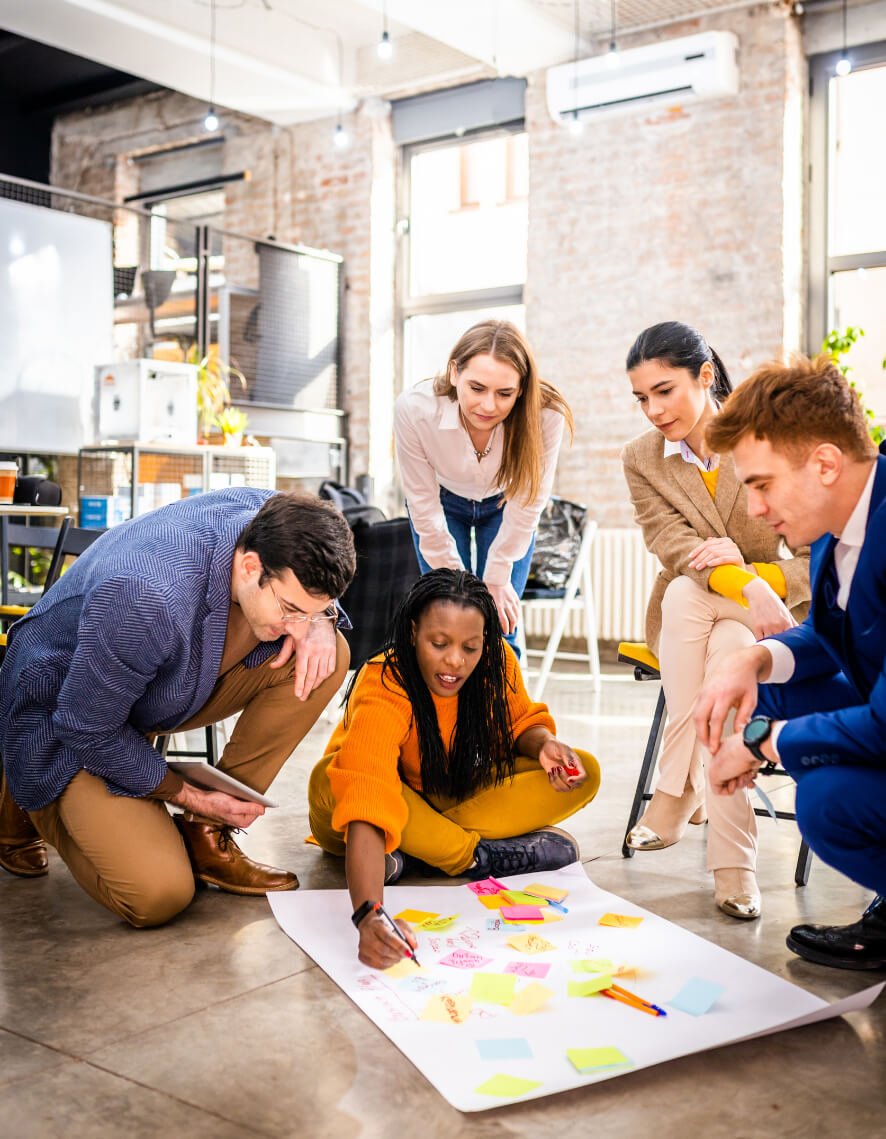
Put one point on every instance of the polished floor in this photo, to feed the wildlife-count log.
(219, 1026)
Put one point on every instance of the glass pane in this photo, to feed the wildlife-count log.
(428, 340)
(857, 163)
(859, 298)
(468, 216)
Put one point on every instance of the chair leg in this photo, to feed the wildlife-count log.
(804, 861)
(211, 746)
(590, 614)
(644, 780)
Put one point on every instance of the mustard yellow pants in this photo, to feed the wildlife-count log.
(444, 833)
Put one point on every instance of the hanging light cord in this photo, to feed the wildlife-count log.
(613, 24)
(212, 53)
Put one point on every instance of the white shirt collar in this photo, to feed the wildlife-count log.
(681, 447)
(853, 531)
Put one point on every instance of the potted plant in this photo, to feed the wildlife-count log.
(837, 344)
(232, 423)
(214, 378)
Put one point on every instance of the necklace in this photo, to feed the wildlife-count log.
(478, 454)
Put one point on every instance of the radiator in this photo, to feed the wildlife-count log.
(622, 574)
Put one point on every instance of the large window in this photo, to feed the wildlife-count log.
(848, 222)
(465, 242)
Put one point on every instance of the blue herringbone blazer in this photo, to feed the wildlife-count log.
(129, 640)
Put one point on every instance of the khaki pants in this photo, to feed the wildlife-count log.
(126, 853)
(699, 630)
(444, 833)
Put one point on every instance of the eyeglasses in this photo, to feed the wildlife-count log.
(330, 614)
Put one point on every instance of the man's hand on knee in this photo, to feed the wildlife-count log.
(216, 805)
(733, 685)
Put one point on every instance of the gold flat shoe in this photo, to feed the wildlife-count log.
(746, 907)
(736, 893)
(641, 837)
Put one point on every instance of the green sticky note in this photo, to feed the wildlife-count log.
(507, 1087)
(494, 988)
(593, 965)
(518, 898)
(591, 986)
(586, 1059)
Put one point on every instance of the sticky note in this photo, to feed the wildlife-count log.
(507, 1087)
(586, 1059)
(485, 886)
(493, 988)
(520, 898)
(506, 1048)
(434, 924)
(697, 996)
(531, 998)
(528, 968)
(499, 924)
(552, 893)
(464, 959)
(592, 965)
(521, 913)
(531, 943)
(405, 968)
(586, 988)
(421, 983)
(415, 917)
(619, 920)
(448, 1008)
(548, 915)
(491, 901)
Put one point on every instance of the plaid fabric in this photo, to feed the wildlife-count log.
(387, 569)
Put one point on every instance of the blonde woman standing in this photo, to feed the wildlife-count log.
(726, 581)
(477, 448)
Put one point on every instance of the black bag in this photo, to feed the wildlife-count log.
(352, 503)
(557, 542)
(34, 490)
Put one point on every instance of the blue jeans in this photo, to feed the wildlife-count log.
(465, 517)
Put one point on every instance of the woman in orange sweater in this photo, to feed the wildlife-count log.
(442, 756)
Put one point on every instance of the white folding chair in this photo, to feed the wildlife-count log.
(577, 593)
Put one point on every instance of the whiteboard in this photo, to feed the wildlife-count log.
(56, 321)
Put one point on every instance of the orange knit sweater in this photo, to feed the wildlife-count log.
(377, 751)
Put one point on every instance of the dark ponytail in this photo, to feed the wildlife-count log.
(680, 346)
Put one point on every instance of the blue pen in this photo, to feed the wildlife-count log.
(557, 906)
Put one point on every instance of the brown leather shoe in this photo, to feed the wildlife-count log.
(217, 860)
(22, 850)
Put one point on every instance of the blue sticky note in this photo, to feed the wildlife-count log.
(697, 996)
(499, 925)
(505, 1048)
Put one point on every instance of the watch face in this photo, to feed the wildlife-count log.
(757, 730)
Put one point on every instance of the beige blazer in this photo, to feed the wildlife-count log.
(675, 511)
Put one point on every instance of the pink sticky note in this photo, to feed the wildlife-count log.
(522, 913)
(528, 968)
(464, 959)
(486, 886)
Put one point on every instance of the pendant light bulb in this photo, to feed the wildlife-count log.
(211, 120)
(384, 49)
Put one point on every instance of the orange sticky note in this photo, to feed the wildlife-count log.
(491, 901)
(551, 893)
(622, 921)
(448, 1008)
(416, 917)
(531, 943)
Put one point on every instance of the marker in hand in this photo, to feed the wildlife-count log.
(379, 909)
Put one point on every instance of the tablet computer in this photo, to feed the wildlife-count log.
(210, 778)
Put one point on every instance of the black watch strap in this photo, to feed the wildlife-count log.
(362, 910)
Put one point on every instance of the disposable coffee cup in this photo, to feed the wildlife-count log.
(8, 475)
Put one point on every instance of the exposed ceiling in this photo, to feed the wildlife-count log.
(294, 60)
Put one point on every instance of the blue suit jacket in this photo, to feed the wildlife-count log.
(856, 734)
(130, 639)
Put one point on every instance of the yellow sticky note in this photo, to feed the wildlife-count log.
(531, 943)
(551, 893)
(587, 988)
(548, 915)
(448, 1008)
(586, 1059)
(520, 898)
(507, 1087)
(593, 965)
(619, 920)
(415, 917)
(405, 968)
(494, 988)
(492, 901)
(439, 923)
(532, 998)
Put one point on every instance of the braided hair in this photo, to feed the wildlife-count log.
(481, 751)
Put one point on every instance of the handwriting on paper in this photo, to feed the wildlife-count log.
(464, 959)
(485, 886)
(531, 943)
(528, 968)
(622, 921)
(438, 924)
(448, 1008)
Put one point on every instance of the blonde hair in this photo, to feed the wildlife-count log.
(522, 460)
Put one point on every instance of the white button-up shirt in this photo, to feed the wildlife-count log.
(434, 450)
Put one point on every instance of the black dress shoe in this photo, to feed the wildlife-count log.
(861, 945)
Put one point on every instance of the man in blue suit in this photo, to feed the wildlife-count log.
(799, 437)
(219, 604)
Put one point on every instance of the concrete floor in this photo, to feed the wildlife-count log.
(219, 1026)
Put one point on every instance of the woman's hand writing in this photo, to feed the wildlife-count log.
(379, 947)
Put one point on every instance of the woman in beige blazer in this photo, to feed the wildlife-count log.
(727, 580)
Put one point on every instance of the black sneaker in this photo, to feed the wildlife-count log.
(861, 945)
(545, 849)
(394, 863)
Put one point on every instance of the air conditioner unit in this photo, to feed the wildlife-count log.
(672, 72)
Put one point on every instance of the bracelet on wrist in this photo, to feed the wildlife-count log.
(363, 911)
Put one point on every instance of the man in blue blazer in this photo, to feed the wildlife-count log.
(218, 604)
(799, 437)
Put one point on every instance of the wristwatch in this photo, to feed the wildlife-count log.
(361, 911)
(756, 731)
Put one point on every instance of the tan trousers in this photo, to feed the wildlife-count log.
(444, 833)
(698, 630)
(126, 853)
